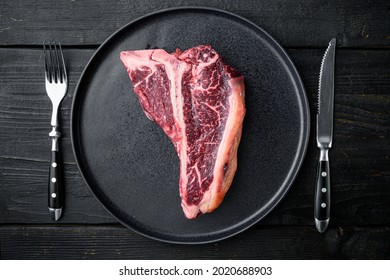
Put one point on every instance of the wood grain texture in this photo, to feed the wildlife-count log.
(293, 23)
(360, 158)
(102, 242)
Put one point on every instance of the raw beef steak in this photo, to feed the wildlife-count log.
(198, 100)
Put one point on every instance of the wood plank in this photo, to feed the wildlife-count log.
(360, 157)
(293, 23)
(101, 242)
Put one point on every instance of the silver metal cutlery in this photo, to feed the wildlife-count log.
(56, 82)
(324, 137)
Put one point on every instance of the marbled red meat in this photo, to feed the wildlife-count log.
(198, 100)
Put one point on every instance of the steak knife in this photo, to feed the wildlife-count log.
(324, 137)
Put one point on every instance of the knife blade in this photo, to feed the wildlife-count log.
(324, 137)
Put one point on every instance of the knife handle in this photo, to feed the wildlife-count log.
(55, 191)
(322, 196)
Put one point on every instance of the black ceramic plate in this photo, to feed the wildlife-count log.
(131, 166)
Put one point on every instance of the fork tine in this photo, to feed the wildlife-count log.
(52, 62)
(54, 58)
(50, 57)
(63, 68)
(47, 67)
(57, 69)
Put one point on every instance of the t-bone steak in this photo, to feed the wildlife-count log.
(198, 100)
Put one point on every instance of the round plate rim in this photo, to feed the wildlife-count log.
(302, 146)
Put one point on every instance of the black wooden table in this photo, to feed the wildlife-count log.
(360, 167)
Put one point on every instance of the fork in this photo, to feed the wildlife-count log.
(56, 82)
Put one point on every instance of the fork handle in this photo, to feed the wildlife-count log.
(55, 192)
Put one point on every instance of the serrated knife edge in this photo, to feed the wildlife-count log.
(326, 97)
(321, 70)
